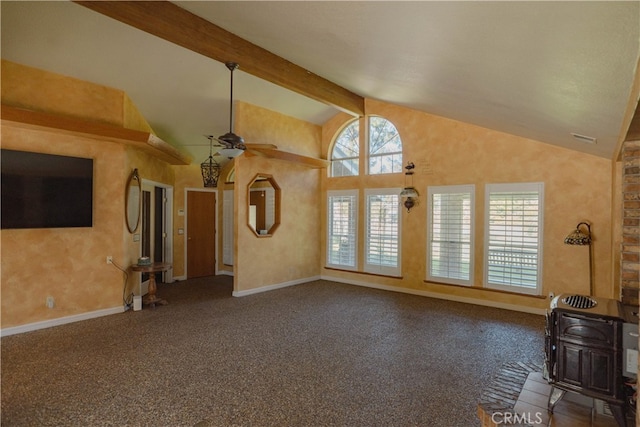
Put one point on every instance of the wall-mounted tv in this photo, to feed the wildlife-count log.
(45, 191)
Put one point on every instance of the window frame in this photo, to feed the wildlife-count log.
(342, 193)
(451, 189)
(382, 269)
(341, 159)
(533, 187)
(369, 155)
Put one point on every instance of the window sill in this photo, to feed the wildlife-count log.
(362, 272)
(480, 288)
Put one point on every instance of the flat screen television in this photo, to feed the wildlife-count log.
(45, 191)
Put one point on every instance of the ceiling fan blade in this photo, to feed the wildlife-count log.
(271, 146)
(311, 162)
(251, 153)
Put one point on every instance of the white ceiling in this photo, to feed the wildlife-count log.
(541, 70)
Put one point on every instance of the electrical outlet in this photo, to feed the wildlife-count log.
(551, 295)
(109, 260)
(51, 302)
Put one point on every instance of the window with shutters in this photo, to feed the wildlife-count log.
(342, 229)
(382, 231)
(513, 237)
(450, 219)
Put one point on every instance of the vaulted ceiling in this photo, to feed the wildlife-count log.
(541, 70)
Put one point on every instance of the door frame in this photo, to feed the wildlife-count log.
(167, 226)
(186, 225)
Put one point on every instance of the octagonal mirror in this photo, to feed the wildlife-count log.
(263, 196)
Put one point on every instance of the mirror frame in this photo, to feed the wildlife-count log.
(131, 214)
(276, 221)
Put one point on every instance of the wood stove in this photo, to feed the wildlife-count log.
(583, 350)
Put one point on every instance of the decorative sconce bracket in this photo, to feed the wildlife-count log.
(409, 193)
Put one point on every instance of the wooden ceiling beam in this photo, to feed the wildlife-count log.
(174, 24)
(310, 162)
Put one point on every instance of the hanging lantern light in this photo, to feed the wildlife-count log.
(210, 168)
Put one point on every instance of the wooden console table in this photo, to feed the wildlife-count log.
(151, 298)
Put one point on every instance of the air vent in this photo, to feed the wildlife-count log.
(579, 301)
(584, 138)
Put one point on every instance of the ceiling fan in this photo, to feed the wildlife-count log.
(233, 145)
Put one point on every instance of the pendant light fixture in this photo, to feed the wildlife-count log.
(233, 144)
(210, 168)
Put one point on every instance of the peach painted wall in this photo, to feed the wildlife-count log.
(67, 264)
(40, 90)
(448, 152)
(292, 253)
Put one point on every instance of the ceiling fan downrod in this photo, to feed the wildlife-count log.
(231, 138)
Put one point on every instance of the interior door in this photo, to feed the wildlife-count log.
(201, 233)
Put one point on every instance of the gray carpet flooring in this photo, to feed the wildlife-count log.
(316, 354)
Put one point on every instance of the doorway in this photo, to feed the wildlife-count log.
(156, 241)
(201, 233)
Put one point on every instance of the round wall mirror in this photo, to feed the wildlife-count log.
(263, 205)
(132, 201)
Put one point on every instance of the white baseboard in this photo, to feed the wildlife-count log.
(59, 321)
(456, 298)
(273, 287)
(225, 273)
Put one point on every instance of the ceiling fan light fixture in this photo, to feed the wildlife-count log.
(230, 153)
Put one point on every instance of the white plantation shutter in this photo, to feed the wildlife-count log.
(342, 229)
(227, 227)
(513, 243)
(450, 234)
(382, 234)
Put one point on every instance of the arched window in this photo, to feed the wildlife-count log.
(346, 151)
(385, 147)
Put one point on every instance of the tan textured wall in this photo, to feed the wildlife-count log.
(447, 152)
(292, 252)
(68, 264)
(40, 90)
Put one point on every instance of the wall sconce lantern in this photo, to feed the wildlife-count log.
(579, 238)
(210, 168)
(409, 193)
